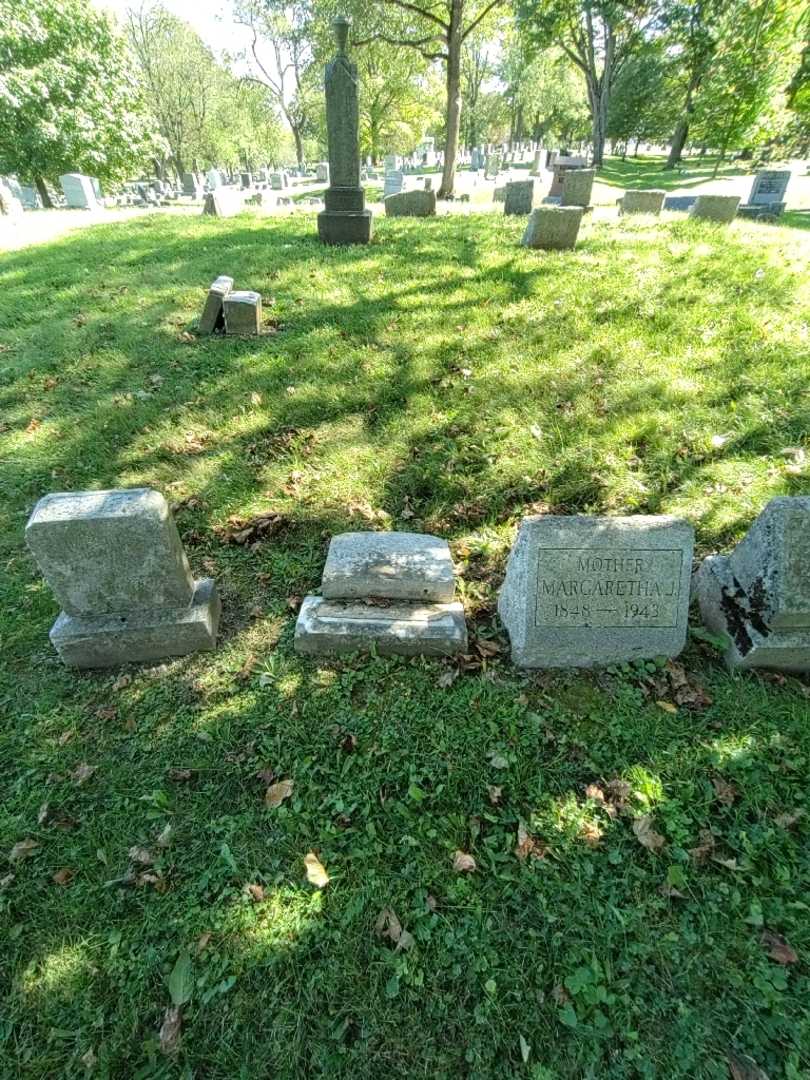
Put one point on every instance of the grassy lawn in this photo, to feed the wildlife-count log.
(442, 379)
(648, 171)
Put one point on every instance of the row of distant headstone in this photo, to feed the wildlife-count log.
(579, 591)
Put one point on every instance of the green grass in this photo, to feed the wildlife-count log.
(445, 373)
(649, 171)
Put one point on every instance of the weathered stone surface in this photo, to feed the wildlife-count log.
(519, 197)
(411, 204)
(332, 627)
(759, 595)
(79, 192)
(393, 565)
(393, 183)
(110, 551)
(769, 187)
(141, 636)
(213, 317)
(499, 194)
(223, 202)
(577, 185)
(720, 208)
(343, 222)
(553, 228)
(643, 201)
(538, 163)
(592, 591)
(322, 172)
(243, 312)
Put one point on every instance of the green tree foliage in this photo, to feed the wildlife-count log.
(203, 113)
(597, 36)
(545, 95)
(643, 104)
(68, 98)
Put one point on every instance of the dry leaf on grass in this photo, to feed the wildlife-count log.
(726, 793)
(255, 892)
(743, 1067)
(389, 926)
(646, 834)
(704, 848)
(22, 850)
(786, 821)
(591, 833)
(778, 948)
(528, 845)
(277, 793)
(170, 1029)
(63, 876)
(316, 873)
(463, 863)
(141, 855)
(667, 706)
(495, 794)
(82, 773)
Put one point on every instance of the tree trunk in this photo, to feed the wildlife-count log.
(453, 100)
(299, 146)
(43, 193)
(678, 143)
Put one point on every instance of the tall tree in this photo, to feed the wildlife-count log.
(477, 67)
(68, 96)
(281, 56)
(643, 104)
(597, 36)
(437, 30)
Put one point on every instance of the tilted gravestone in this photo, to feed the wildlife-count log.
(519, 197)
(116, 565)
(223, 202)
(553, 228)
(79, 191)
(642, 201)
(592, 591)
(391, 592)
(758, 597)
(345, 219)
(213, 317)
(719, 208)
(411, 204)
(577, 185)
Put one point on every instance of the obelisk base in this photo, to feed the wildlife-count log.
(344, 226)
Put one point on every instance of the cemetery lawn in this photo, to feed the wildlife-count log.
(443, 379)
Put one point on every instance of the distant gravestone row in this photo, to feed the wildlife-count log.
(579, 591)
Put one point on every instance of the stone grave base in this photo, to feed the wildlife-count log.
(331, 627)
(344, 227)
(725, 609)
(142, 636)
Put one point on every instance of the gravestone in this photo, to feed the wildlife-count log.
(393, 183)
(192, 185)
(593, 591)
(214, 179)
(247, 180)
(390, 592)
(492, 166)
(223, 202)
(758, 597)
(538, 163)
(642, 201)
(243, 312)
(553, 228)
(78, 191)
(562, 163)
(116, 565)
(277, 181)
(9, 203)
(719, 208)
(29, 197)
(213, 317)
(519, 197)
(767, 198)
(499, 194)
(345, 219)
(411, 204)
(577, 185)
(322, 172)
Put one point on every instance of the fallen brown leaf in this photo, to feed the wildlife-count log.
(316, 873)
(121, 682)
(646, 835)
(743, 1067)
(448, 677)
(179, 775)
(277, 793)
(170, 1029)
(255, 892)
(495, 794)
(704, 848)
(141, 855)
(785, 821)
(82, 773)
(23, 850)
(202, 941)
(726, 793)
(778, 948)
(667, 706)
(389, 926)
(63, 876)
(591, 833)
(463, 863)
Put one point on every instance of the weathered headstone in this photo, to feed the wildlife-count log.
(492, 166)
(767, 198)
(393, 183)
(642, 201)
(593, 591)
(278, 181)
(345, 219)
(9, 203)
(214, 179)
(392, 592)
(247, 180)
(223, 202)
(577, 185)
(116, 565)
(243, 312)
(553, 228)
(411, 204)
(719, 208)
(213, 317)
(78, 191)
(538, 163)
(561, 164)
(322, 172)
(519, 197)
(758, 597)
(680, 203)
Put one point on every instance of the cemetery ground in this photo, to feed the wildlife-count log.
(552, 875)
